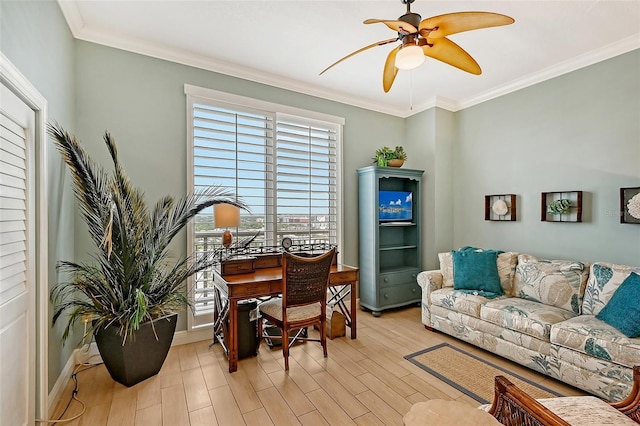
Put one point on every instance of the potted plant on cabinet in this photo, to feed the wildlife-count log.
(129, 297)
(386, 156)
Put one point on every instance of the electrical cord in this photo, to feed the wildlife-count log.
(74, 394)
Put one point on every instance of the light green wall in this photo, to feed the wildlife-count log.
(35, 38)
(430, 137)
(140, 101)
(579, 131)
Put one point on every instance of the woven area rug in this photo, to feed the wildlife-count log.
(471, 374)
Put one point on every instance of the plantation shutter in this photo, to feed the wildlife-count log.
(283, 162)
(13, 208)
(306, 180)
(233, 148)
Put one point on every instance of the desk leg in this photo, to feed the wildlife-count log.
(354, 309)
(221, 310)
(233, 335)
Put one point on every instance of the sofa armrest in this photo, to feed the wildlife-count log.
(431, 279)
(428, 281)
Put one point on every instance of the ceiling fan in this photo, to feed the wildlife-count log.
(428, 37)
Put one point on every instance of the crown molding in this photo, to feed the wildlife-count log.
(432, 102)
(573, 64)
(72, 15)
(80, 31)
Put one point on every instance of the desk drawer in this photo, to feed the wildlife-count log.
(268, 261)
(398, 278)
(345, 277)
(254, 289)
(238, 266)
(399, 295)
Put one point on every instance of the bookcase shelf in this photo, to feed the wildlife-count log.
(390, 252)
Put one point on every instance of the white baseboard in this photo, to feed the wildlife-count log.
(197, 335)
(61, 383)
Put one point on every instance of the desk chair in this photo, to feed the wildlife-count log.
(304, 299)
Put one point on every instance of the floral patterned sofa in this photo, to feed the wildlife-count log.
(545, 320)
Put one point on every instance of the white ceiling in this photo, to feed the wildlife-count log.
(287, 43)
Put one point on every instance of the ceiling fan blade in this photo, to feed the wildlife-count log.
(452, 23)
(379, 43)
(395, 25)
(390, 70)
(450, 53)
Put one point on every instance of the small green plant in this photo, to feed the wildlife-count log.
(384, 154)
(559, 206)
(399, 153)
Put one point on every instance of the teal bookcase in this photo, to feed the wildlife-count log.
(390, 243)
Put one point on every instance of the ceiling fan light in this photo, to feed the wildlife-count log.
(409, 57)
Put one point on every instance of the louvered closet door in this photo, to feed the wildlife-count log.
(17, 292)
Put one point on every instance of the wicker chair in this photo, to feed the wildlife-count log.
(303, 301)
(630, 406)
(512, 406)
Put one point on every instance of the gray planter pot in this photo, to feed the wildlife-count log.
(139, 358)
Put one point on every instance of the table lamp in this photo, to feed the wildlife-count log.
(226, 216)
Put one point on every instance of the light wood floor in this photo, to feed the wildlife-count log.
(364, 381)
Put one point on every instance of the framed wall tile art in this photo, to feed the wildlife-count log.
(561, 206)
(500, 207)
(630, 205)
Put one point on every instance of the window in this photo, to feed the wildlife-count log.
(283, 162)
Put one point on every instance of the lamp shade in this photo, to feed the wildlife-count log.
(409, 57)
(226, 215)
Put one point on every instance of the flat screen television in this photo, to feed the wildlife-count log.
(395, 206)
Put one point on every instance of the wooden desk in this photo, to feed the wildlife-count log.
(268, 282)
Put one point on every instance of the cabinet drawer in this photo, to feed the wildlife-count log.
(397, 278)
(400, 294)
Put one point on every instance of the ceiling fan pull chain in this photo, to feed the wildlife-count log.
(411, 90)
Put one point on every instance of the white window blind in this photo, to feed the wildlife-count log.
(306, 183)
(13, 208)
(233, 148)
(285, 166)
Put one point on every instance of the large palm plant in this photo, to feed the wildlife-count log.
(132, 280)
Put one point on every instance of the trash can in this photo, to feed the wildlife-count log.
(247, 329)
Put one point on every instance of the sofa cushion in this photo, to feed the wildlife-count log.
(446, 267)
(604, 280)
(476, 271)
(454, 300)
(591, 336)
(623, 309)
(559, 283)
(585, 365)
(506, 264)
(524, 316)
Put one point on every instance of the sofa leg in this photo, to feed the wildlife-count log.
(428, 328)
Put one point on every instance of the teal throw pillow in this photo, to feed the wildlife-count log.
(476, 271)
(623, 309)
